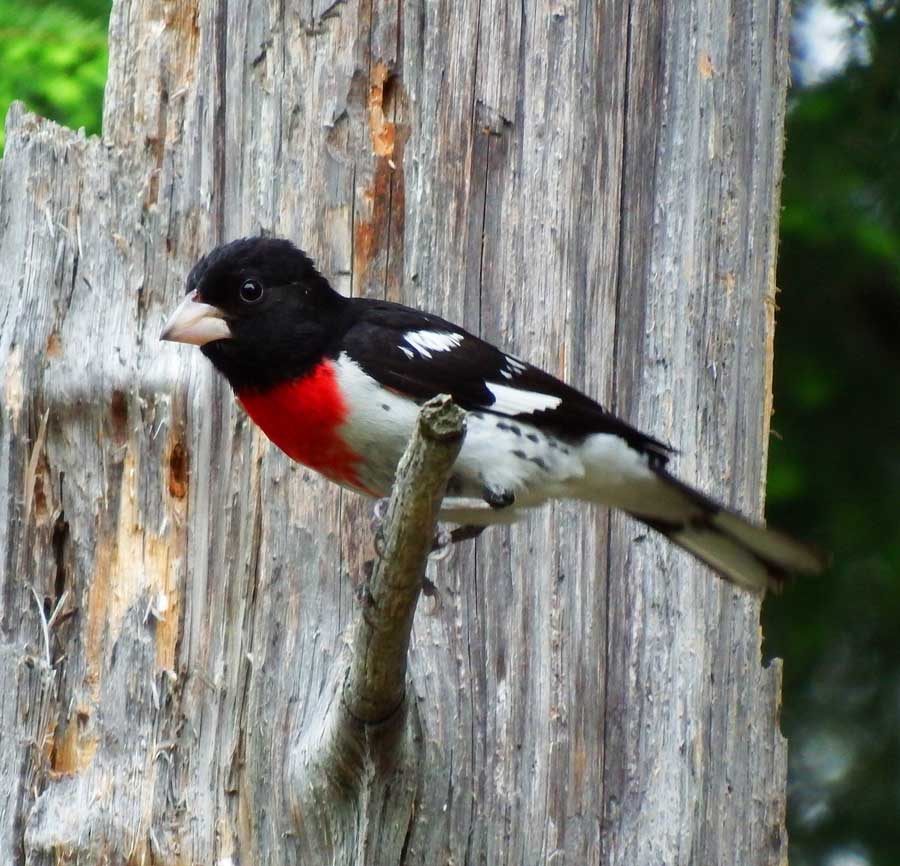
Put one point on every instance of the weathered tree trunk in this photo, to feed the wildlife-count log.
(593, 185)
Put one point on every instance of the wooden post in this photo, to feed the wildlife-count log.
(593, 185)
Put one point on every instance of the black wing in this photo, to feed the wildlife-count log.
(423, 355)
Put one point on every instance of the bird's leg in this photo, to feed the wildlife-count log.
(444, 540)
(440, 549)
(465, 533)
(441, 545)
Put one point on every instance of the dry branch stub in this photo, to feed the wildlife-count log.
(362, 741)
(377, 678)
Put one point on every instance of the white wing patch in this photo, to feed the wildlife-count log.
(513, 401)
(514, 364)
(426, 342)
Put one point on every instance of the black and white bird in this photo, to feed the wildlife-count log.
(337, 383)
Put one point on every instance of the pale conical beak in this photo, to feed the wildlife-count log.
(197, 323)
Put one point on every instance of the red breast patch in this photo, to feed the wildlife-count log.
(302, 417)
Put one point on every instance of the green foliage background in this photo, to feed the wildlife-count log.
(834, 467)
(53, 57)
(834, 473)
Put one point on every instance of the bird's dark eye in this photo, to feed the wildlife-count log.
(251, 291)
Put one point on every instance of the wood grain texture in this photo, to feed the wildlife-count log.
(594, 186)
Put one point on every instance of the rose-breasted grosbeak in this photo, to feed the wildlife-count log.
(337, 382)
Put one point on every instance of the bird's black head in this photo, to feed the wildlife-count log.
(259, 310)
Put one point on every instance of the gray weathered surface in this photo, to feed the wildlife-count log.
(592, 184)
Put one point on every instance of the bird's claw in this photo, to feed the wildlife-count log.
(441, 546)
(379, 511)
(379, 542)
(429, 590)
(362, 592)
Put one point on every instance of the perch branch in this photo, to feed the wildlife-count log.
(376, 680)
